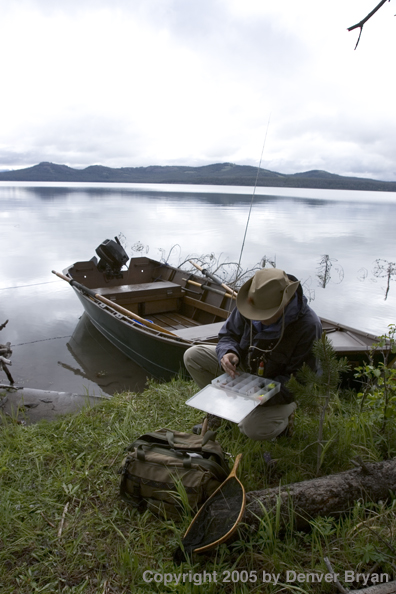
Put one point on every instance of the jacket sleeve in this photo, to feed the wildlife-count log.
(230, 336)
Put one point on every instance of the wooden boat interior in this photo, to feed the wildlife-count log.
(167, 296)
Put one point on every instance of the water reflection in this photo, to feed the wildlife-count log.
(46, 227)
(215, 195)
(100, 362)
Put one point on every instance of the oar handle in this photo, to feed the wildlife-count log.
(62, 276)
(74, 283)
(218, 281)
(119, 308)
(203, 286)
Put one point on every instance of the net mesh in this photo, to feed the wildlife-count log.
(214, 520)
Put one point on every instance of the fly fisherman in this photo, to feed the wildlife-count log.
(271, 332)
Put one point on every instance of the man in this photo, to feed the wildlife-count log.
(272, 328)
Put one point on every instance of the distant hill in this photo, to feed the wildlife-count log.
(216, 174)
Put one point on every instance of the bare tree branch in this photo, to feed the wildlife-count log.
(366, 18)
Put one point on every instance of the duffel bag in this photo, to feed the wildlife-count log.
(162, 468)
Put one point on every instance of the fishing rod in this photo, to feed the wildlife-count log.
(204, 270)
(254, 193)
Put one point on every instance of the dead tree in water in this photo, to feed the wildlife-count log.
(324, 271)
(385, 269)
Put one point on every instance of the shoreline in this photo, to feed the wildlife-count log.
(26, 406)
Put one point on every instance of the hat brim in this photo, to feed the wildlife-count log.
(251, 312)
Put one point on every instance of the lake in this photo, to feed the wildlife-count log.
(49, 226)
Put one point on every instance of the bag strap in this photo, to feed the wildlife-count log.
(189, 462)
(183, 456)
(209, 436)
(169, 439)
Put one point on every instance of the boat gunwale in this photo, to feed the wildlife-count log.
(343, 328)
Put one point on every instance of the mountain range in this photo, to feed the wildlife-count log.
(216, 174)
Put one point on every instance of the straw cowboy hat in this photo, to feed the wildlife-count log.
(265, 294)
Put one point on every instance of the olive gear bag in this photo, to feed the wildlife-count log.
(157, 465)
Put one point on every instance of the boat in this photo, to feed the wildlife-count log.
(152, 312)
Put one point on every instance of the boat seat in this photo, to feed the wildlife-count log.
(207, 307)
(200, 333)
(145, 298)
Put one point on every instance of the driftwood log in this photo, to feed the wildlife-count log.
(5, 354)
(325, 496)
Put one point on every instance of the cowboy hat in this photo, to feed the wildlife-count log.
(265, 294)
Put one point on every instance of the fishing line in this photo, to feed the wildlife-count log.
(23, 286)
(40, 340)
(253, 195)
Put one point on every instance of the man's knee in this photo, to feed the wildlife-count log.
(259, 432)
(193, 357)
(201, 363)
(266, 423)
(201, 355)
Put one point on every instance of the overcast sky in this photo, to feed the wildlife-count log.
(192, 82)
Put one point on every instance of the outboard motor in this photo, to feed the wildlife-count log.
(112, 257)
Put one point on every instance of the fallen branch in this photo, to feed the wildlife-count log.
(329, 495)
(336, 581)
(385, 588)
(63, 520)
(47, 520)
(5, 354)
(3, 366)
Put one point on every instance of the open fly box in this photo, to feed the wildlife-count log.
(234, 398)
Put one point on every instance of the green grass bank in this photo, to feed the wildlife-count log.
(64, 528)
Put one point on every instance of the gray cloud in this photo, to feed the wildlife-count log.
(176, 81)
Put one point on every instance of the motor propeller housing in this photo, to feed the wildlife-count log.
(112, 257)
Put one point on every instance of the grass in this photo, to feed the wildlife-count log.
(64, 528)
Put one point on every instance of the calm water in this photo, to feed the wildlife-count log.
(49, 226)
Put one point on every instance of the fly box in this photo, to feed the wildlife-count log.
(234, 398)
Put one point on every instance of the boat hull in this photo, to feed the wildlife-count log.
(160, 356)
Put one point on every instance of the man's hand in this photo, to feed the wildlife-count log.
(229, 363)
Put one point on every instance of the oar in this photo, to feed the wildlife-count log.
(191, 282)
(214, 278)
(217, 519)
(119, 308)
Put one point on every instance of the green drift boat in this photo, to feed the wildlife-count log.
(153, 312)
